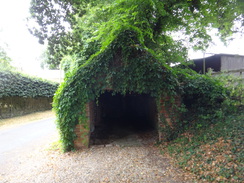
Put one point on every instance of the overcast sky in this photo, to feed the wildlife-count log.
(24, 48)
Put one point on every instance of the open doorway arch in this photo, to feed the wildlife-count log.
(117, 116)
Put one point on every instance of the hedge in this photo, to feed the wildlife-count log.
(17, 84)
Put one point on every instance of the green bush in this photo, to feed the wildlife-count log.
(203, 97)
(17, 84)
(235, 86)
(203, 92)
(206, 97)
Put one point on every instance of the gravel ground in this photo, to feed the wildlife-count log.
(131, 159)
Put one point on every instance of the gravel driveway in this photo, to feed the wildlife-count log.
(120, 161)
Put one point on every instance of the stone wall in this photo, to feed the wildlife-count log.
(17, 106)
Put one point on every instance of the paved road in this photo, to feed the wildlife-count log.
(25, 137)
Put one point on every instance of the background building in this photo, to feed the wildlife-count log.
(233, 64)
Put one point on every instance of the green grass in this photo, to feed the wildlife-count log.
(55, 146)
(213, 153)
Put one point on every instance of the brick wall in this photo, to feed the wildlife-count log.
(168, 116)
(82, 130)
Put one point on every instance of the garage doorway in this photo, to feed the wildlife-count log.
(118, 116)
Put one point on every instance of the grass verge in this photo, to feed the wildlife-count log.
(213, 153)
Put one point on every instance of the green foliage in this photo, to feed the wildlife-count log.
(17, 84)
(69, 63)
(235, 86)
(203, 97)
(209, 144)
(206, 98)
(5, 60)
(203, 93)
(67, 25)
(213, 153)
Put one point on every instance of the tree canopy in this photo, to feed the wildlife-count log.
(82, 29)
(5, 60)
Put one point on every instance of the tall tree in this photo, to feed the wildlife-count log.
(83, 28)
(5, 60)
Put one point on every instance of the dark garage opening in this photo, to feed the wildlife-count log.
(117, 116)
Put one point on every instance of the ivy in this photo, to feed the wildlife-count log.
(204, 91)
(206, 98)
(17, 84)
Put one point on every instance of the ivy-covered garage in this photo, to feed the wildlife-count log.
(112, 86)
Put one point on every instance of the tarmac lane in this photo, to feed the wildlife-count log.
(24, 138)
